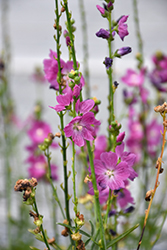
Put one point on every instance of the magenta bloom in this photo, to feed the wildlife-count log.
(109, 173)
(81, 129)
(124, 198)
(102, 10)
(122, 27)
(39, 131)
(51, 70)
(38, 168)
(100, 146)
(133, 79)
(84, 106)
(127, 157)
(153, 136)
(63, 100)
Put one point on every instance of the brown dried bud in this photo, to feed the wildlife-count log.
(64, 233)
(81, 217)
(148, 195)
(165, 124)
(37, 230)
(58, 134)
(62, 9)
(50, 241)
(81, 245)
(50, 137)
(34, 215)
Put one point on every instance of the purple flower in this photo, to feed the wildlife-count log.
(122, 27)
(133, 79)
(103, 34)
(108, 62)
(109, 173)
(81, 129)
(123, 51)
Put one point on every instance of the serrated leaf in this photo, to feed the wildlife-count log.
(120, 237)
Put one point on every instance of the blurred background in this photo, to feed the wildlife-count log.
(26, 37)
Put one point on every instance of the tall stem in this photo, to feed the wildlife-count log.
(111, 92)
(85, 47)
(96, 194)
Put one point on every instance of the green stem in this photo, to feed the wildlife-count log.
(96, 195)
(138, 33)
(66, 196)
(51, 182)
(111, 92)
(70, 34)
(85, 47)
(41, 227)
(74, 182)
(108, 206)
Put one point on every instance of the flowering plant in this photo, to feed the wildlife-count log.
(96, 206)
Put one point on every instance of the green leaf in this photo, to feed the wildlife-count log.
(92, 228)
(86, 243)
(120, 237)
(73, 229)
(34, 248)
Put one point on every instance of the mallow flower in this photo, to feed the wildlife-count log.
(109, 173)
(122, 27)
(81, 129)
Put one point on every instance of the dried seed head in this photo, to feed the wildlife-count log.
(161, 108)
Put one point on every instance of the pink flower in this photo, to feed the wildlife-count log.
(100, 146)
(109, 173)
(51, 70)
(133, 79)
(63, 100)
(81, 129)
(39, 131)
(122, 27)
(102, 11)
(124, 198)
(84, 106)
(38, 168)
(127, 157)
(153, 136)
